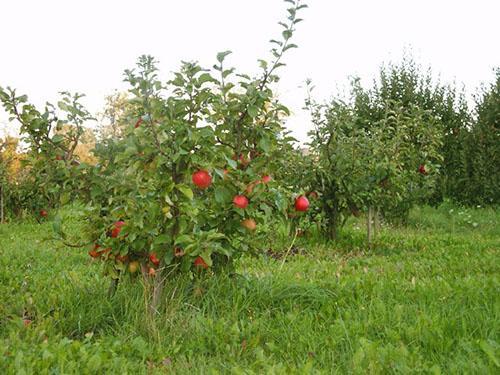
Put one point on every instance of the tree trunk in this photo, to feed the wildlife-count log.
(2, 217)
(158, 284)
(332, 230)
(376, 222)
(112, 287)
(369, 229)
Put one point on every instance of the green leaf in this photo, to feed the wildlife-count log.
(265, 144)
(253, 111)
(290, 46)
(222, 195)
(58, 138)
(205, 77)
(162, 239)
(184, 239)
(206, 255)
(232, 163)
(222, 55)
(186, 190)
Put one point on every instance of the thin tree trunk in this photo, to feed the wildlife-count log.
(112, 287)
(376, 222)
(158, 285)
(369, 229)
(2, 217)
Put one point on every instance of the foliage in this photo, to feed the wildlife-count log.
(480, 180)
(225, 124)
(9, 171)
(51, 172)
(372, 152)
(113, 119)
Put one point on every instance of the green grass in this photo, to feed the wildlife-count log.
(423, 300)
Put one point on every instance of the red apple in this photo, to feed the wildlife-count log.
(240, 201)
(153, 258)
(301, 203)
(249, 224)
(117, 228)
(44, 213)
(202, 179)
(266, 179)
(422, 170)
(199, 262)
(59, 157)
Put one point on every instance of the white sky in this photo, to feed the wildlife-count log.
(53, 45)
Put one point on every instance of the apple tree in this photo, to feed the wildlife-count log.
(190, 186)
(387, 164)
(51, 174)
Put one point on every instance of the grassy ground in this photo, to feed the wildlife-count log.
(424, 299)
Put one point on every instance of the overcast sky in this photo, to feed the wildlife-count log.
(84, 45)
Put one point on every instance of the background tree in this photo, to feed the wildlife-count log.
(115, 117)
(482, 155)
(52, 173)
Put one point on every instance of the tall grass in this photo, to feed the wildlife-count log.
(423, 299)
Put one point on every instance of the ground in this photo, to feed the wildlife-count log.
(423, 299)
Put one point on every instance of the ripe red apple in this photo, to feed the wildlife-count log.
(240, 201)
(44, 213)
(117, 228)
(422, 170)
(301, 203)
(138, 123)
(202, 179)
(266, 179)
(59, 157)
(199, 262)
(133, 267)
(249, 224)
(153, 258)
